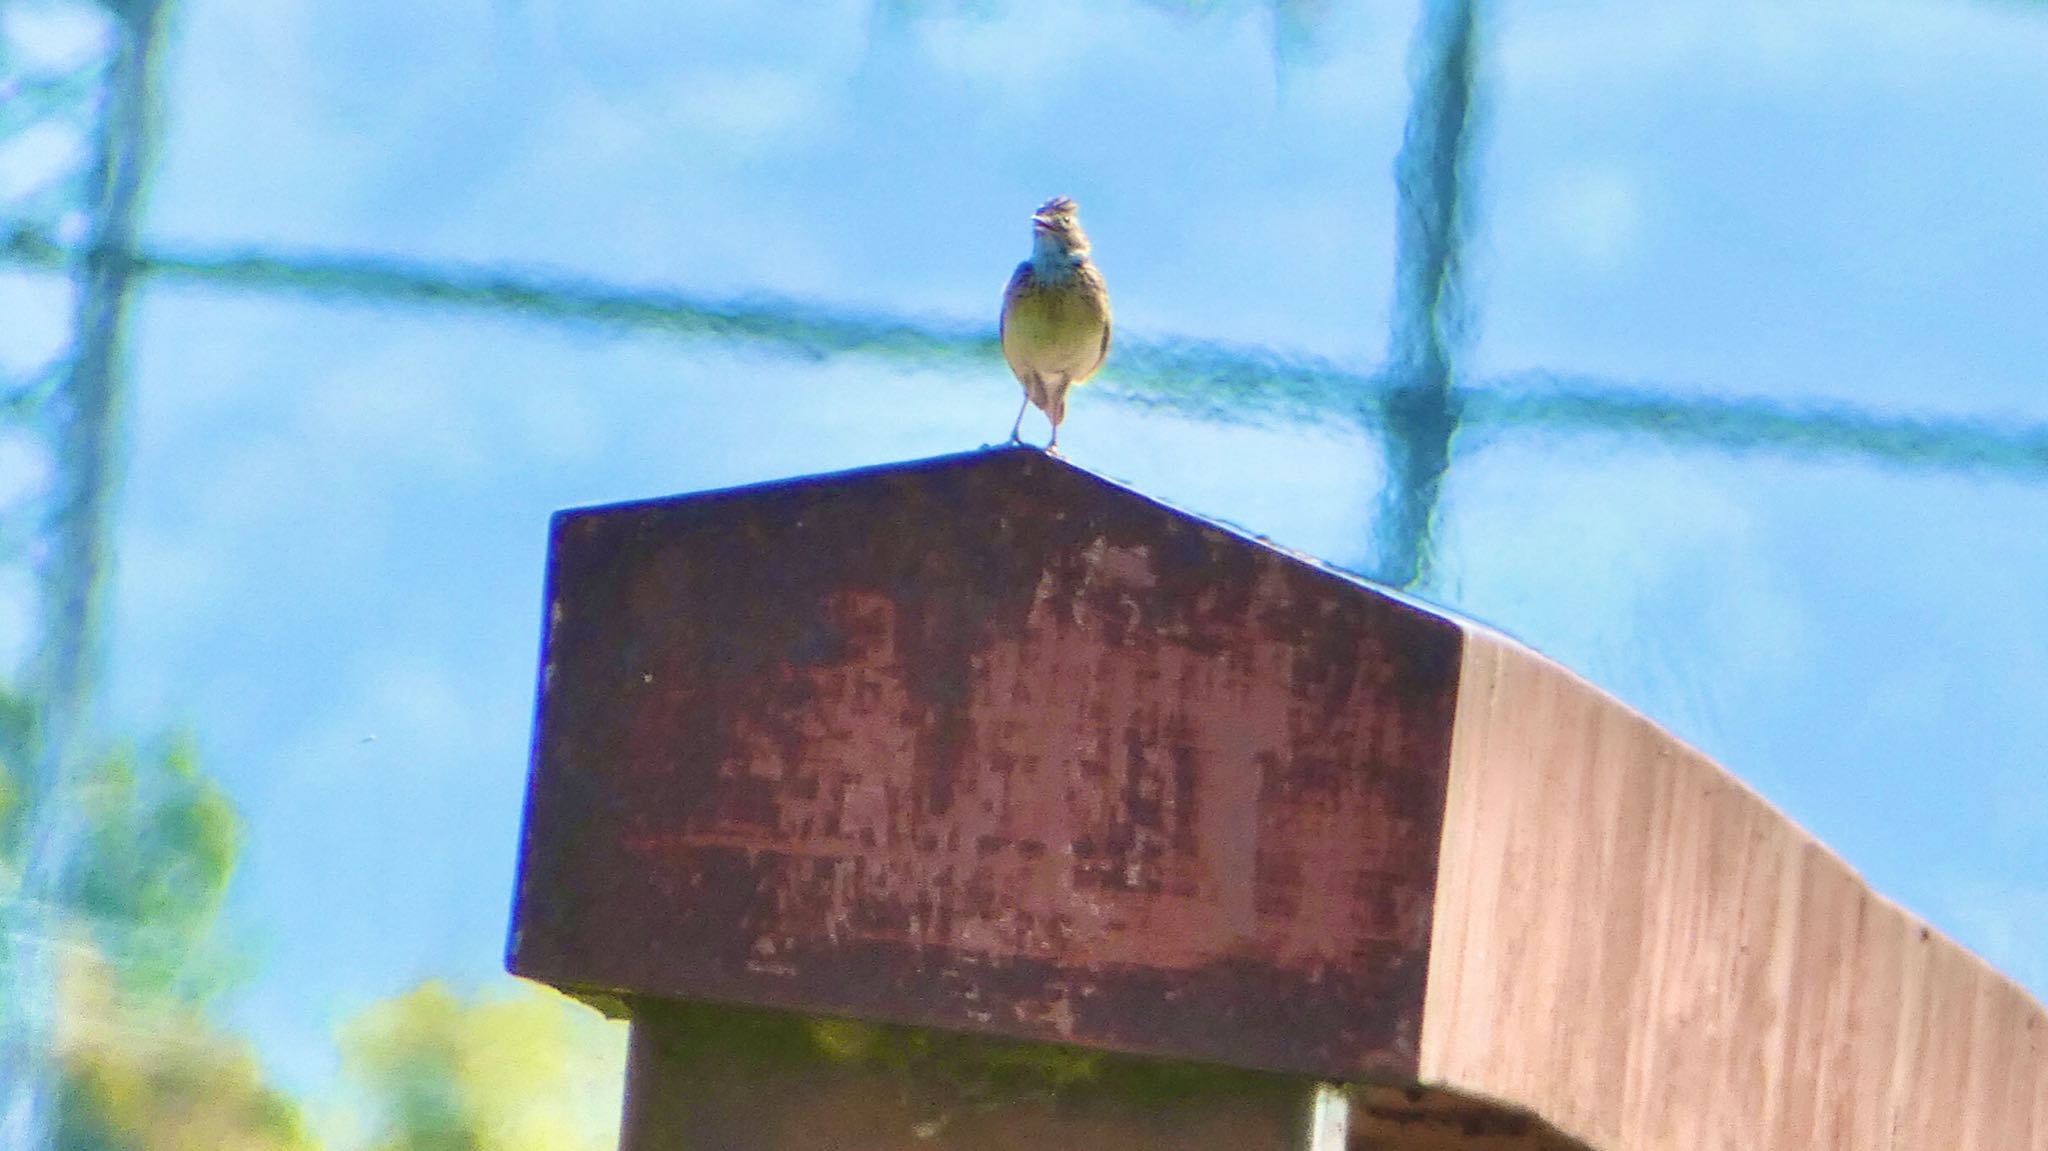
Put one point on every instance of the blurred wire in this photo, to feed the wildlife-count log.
(1417, 402)
(1421, 413)
(1741, 424)
(82, 425)
(1210, 380)
(27, 101)
(1189, 377)
(25, 398)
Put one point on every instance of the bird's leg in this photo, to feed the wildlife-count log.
(1057, 410)
(1017, 429)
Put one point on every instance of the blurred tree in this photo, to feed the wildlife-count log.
(520, 1068)
(142, 1067)
(161, 840)
(145, 1069)
(150, 1073)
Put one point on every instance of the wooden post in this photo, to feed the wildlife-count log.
(983, 802)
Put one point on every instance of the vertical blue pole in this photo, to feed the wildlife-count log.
(1420, 413)
(87, 415)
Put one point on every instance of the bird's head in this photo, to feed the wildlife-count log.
(1059, 220)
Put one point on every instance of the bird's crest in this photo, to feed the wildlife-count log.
(1058, 214)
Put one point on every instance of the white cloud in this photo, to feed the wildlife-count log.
(24, 466)
(558, 423)
(1021, 48)
(415, 704)
(1593, 215)
(399, 404)
(1360, 64)
(1756, 43)
(750, 108)
(720, 116)
(577, 193)
(18, 605)
(1641, 571)
(38, 311)
(174, 574)
(53, 37)
(253, 479)
(38, 156)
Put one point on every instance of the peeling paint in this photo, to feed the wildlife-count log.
(993, 744)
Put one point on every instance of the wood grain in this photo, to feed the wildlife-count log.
(993, 745)
(1636, 947)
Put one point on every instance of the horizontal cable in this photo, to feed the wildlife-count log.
(23, 397)
(1748, 423)
(27, 101)
(1197, 378)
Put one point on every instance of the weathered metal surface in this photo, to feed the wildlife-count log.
(988, 743)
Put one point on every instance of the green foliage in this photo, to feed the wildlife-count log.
(152, 1074)
(971, 1068)
(408, 1052)
(519, 1069)
(161, 844)
(17, 737)
(144, 1069)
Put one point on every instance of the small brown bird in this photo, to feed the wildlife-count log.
(1056, 319)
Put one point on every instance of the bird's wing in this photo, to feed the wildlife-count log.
(1108, 325)
(1019, 280)
(1018, 285)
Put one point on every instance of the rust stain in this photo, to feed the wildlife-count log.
(994, 744)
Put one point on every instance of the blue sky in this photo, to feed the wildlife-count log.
(332, 543)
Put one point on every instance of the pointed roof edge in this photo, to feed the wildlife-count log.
(1000, 453)
(989, 454)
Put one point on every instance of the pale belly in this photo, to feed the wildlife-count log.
(1055, 334)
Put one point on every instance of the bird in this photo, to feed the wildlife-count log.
(1056, 320)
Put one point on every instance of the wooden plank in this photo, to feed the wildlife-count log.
(992, 745)
(1636, 947)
